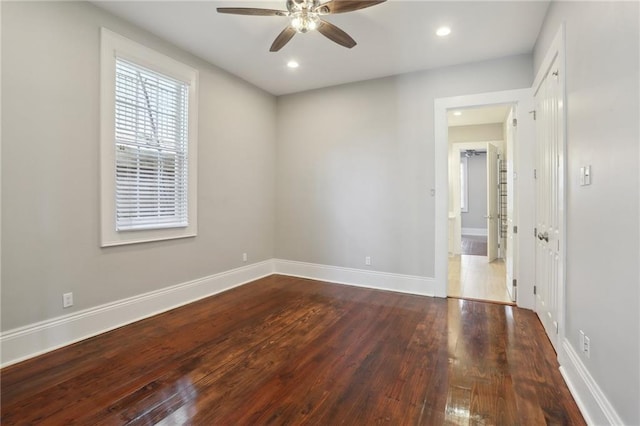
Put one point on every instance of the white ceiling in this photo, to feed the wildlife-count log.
(394, 37)
(480, 115)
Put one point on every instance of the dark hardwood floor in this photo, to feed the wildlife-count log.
(474, 245)
(285, 350)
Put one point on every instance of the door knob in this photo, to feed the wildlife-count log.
(544, 236)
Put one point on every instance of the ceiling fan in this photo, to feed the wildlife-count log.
(305, 16)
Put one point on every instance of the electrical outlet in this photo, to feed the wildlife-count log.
(367, 260)
(581, 340)
(244, 257)
(587, 346)
(67, 300)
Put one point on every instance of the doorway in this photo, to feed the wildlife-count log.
(523, 271)
(478, 203)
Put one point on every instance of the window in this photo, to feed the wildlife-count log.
(151, 134)
(464, 184)
(148, 144)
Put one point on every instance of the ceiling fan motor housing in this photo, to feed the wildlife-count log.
(300, 5)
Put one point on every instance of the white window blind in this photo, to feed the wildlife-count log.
(151, 140)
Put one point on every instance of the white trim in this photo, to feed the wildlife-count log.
(357, 277)
(32, 340)
(593, 403)
(481, 232)
(35, 339)
(112, 44)
(523, 100)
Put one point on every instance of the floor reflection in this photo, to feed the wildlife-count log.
(479, 372)
(184, 397)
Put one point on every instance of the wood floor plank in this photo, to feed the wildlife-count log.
(331, 360)
(210, 363)
(285, 350)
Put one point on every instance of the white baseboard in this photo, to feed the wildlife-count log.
(481, 232)
(35, 339)
(594, 405)
(29, 341)
(357, 277)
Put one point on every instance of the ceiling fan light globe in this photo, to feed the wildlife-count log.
(296, 23)
(304, 22)
(312, 24)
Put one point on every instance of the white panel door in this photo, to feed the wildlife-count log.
(548, 202)
(511, 249)
(493, 236)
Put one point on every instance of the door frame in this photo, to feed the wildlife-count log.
(524, 146)
(493, 216)
(510, 240)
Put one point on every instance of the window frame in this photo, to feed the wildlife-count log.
(112, 46)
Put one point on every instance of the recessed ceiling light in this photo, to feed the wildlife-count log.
(443, 31)
(457, 113)
(293, 64)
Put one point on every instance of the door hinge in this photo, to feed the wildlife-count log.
(555, 323)
(535, 232)
(534, 113)
(515, 229)
(535, 173)
(515, 282)
(515, 122)
(535, 290)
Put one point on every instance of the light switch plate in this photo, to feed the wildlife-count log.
(585, 175)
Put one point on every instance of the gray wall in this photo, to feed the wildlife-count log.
(477, 201)
(603, 230)
(355, 164)
(50, 131)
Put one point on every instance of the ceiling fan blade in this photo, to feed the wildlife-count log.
(252, 11)
(335, 34)
(282, 39)
(342, 6)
